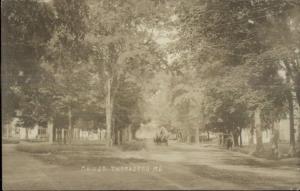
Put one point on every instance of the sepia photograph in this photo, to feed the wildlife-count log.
(150, 94)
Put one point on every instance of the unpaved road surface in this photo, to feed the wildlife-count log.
(180, 167)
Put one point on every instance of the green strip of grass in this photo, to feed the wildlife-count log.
(133, 146)
(8, 141)
(38, 148)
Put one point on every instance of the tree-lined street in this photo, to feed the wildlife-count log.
(206, 93)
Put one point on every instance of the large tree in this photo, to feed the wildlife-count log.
(226, 42)
(122, 45)
(26, 27)
(66, 59)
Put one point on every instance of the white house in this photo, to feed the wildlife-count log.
(284, 133)
(247, 137)
(11, 130)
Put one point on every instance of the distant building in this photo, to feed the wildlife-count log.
(11, 130)
(284, 131)
(247, 138)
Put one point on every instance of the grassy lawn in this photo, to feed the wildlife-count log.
(77, 161)
(42, 148)
(10, 141)
(53, 148)
(283, 150)
(135, 145)
(81, 155)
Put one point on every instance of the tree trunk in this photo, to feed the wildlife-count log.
(77, 135)
(202, 121)
(50, 130)
(298, 127)
(290, 80)
(129, 133)
(292, 126)
(69, 124)
(26, 132)
(133, 132)
(7, 131)
(197, 136)
(220, 139)
(189, 140)
(235, 139)
(208, 135)
(99, 134)
(118, 137)
(108, 111)
(297, 87)
(223, 139)
(275, 139)
(124, 135)
(252, 127)
(55, 135)
(241, 141)
(114, 130)
(259, 142)
(63, 135)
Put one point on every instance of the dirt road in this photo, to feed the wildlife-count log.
(180, 167)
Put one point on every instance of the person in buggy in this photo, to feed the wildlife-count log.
(161, 136)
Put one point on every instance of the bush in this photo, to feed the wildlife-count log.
(133, 146)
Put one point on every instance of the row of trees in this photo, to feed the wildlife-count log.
(66, 56)
(232, 59)
(237, 58)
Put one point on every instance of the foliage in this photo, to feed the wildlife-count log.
(228, 58)
(28, 25)
(227, 43)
